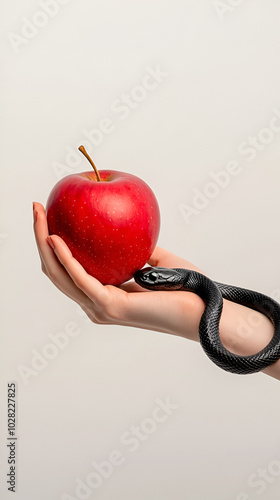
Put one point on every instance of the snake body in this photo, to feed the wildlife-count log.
(212, 293)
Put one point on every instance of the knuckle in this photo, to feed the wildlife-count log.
(107, 307)
(79, 282)
(52, 275)
(111, 313)
(98, 317)
(95, 320)
(115, 310)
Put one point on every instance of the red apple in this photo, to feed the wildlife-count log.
(110, 220)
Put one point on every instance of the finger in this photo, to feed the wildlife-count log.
(89, 285)
(157, 256)
(41, 233)
(50, 264)
(132, 287)
(163, 258)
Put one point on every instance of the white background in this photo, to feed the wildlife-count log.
(222, 87)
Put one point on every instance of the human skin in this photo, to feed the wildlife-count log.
(242, 330)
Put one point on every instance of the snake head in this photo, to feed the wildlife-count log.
(159, 278)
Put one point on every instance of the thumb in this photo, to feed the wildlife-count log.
(157, 256)
(163, 258)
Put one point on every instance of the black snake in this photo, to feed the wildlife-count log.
(212, 292)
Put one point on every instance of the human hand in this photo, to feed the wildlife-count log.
(129, 304)
(173, 312)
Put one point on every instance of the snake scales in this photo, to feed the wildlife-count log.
(212, 292)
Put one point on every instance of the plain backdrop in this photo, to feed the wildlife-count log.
(216, 89)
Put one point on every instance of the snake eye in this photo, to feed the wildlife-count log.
(153, 276)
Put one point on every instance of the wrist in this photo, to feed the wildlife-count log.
(244, 331)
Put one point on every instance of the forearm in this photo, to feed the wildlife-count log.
(243, 331)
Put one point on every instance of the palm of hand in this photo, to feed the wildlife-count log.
(128, 304)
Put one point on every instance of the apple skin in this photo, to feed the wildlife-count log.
(111, 227)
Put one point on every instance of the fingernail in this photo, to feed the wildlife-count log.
(50, 242)
(35, 215)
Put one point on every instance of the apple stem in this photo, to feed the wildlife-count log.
(82, 149)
